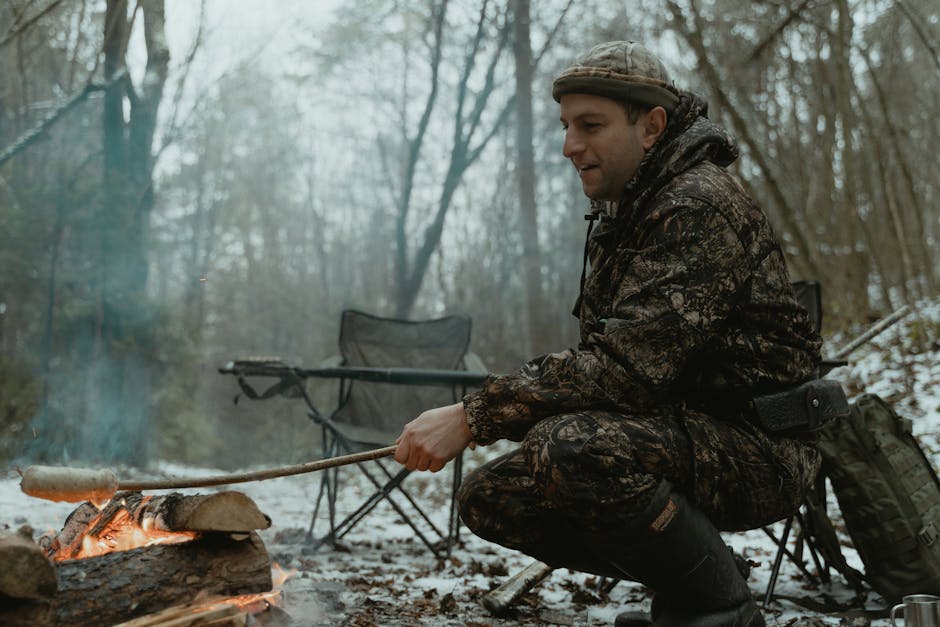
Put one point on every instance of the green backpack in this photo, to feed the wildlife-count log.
(890, 500)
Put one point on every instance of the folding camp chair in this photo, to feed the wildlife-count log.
(372, 413)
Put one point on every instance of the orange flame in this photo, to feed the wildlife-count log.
(122, 533)
(279, 575)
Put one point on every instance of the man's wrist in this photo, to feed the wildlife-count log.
(478, 422)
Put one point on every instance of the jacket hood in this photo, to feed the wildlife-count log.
(689, 139)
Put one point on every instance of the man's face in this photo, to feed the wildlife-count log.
(604, 146)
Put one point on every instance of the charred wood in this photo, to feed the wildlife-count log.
(123, 585)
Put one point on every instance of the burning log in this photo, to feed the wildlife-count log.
(115, 587)
(131, 519)
(102, 579)
(107, 589)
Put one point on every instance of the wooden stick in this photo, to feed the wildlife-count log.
(60, 484)
(258, 475)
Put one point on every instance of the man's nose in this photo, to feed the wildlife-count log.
(573, 144)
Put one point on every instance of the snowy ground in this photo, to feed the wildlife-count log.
(382, 576)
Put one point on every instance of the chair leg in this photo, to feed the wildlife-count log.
(781, 548)
(823, 572)
(316, 508)
(328, 486)
(339, 444)
(384, 493)
(411, 500)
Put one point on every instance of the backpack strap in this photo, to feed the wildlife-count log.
(824, 536)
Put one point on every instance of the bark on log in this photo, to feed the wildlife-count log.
(120, 586)
(224, 511)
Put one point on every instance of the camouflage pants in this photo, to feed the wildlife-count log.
(592, 474)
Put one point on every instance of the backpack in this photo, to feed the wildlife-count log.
(890, 500)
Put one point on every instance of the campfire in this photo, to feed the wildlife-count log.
(142, 560)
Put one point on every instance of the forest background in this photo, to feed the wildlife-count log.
(175, 192)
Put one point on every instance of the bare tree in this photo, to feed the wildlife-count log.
(525, 174)
(123, 327)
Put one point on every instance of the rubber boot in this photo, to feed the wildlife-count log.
(644, 619)
(682, 558)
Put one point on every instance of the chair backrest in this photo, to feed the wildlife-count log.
(374, 413)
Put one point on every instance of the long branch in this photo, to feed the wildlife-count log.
(31, 135)
(414, 150)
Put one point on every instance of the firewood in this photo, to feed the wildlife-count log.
(119, 586)
(76, 525)
(25, 572)
(225, 511)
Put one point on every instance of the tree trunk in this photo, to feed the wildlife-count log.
(525, 175)
(124, 329)
(463, 155)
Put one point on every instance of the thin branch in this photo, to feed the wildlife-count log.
(497, 124)
(917, 23)
(490, 80)
(551, 35)
(693, 36)
(777, 32)
(37, 131)
(414, 150)
(172, 129)
(17, 29)
(468, 69)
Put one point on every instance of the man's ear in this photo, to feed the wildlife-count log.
(653, 126)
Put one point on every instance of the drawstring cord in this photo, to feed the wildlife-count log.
(590, 217)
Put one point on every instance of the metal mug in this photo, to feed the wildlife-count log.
(920, 610)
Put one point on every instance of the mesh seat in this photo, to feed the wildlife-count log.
(372, 414)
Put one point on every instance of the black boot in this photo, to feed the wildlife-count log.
(644, 619)
(682, 558)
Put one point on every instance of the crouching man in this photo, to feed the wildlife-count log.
(639, 445)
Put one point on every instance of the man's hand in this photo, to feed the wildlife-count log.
(434, 438)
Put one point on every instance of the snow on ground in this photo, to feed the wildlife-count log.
(380, 575)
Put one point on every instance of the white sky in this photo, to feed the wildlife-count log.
(236, 31)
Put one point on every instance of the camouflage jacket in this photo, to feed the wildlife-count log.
(688, 300)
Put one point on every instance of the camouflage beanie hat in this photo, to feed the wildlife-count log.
(621, 70)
